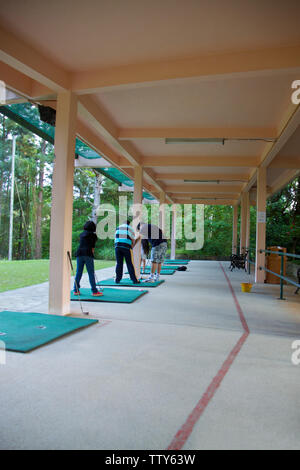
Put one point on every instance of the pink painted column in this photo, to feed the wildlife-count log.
(248, 227)
(137, 215)
(173, 235)
(62, 204)
(243, 225)
(261, 223)
(234, 229)
(162, 211)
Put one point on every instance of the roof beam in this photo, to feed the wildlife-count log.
(93, 140)
(288, 125)
(233, 162)
(23, 85)
(150, 189)
(92, 112)
(288, 163)
(20, 56)
(285, 178)
(208, 188)
(205, 195)
(24, 58)
(17, 81)
(212, 65)
(201, 133)
(151, 178)
(207, 202)
(201, 177)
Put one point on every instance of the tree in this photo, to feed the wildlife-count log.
(283, 218)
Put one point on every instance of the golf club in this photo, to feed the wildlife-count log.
(72, 269)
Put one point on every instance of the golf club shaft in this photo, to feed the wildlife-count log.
(76, 285)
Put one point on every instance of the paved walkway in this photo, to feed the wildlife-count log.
(194, 364)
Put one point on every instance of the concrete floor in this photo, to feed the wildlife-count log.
(176, 369)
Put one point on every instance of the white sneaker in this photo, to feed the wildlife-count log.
(156, 277)
(151, 278)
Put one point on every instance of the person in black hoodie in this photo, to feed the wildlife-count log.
(85, 256)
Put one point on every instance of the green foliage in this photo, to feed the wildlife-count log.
(33, 176)
(283, 218)
(28, 162)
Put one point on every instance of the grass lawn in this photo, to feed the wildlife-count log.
(15, 274)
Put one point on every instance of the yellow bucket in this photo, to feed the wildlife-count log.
(246, 286)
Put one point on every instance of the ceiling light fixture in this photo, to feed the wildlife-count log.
(208, 198)
(216, 140)
(202, 181)
(214, 181)
(194, 141)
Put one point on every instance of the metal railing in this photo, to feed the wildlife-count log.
(280, 276)
(249, 262)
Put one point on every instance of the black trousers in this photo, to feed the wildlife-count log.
(121, 254)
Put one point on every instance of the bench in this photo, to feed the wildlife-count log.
(238, 261)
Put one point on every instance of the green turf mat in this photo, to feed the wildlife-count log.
(166, 267)
(173, 266)
(181, 263)
(129, 283)
(178, 260)
(110, 295)
(23, 331)
(164, 272)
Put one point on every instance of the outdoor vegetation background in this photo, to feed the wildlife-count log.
(32, 206)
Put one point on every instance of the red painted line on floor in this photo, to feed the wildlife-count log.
(238, 307)
(185, 431)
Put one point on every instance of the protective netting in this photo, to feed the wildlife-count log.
(27, 115)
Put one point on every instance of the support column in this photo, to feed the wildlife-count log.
(173, 236)
(12, 192)
(234, 229)
(243, 225)
(248, 227)
(162, 211)
(261, 223)
(137, 215)
(62, 204)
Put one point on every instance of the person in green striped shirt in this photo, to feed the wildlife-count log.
(124, 243)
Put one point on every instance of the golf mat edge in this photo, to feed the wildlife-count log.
(127, 283)
(111, 295)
